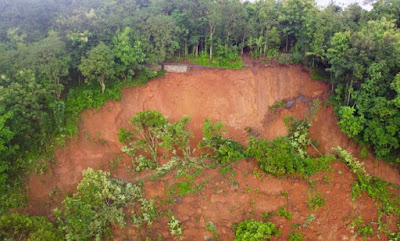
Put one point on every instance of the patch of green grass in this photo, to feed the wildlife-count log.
(361, 228)
(316, 201)
(365, 230)
(227, 169)
(285, 213)
(266, 216)
(233, 62)
(278, 104)
(254, 230)
(211, 227)
(308, 221)
(181, 189)
(320, 74)
(295, 236)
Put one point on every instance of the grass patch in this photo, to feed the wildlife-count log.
(285, 213)
(316, 201)
(211, 227)
(320, 74)
(295, 236)
(278, 104)
(232, 62)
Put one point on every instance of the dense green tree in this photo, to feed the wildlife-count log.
(291, 17)
(129, 55)
(213, 16)
(159, 37)
(98, 66)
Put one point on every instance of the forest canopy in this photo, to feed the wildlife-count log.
(58, 57)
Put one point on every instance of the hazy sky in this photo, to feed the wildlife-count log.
(342, 2)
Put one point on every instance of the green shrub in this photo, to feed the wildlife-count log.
(255, 231)
(276, 157)
(152, 130)
(298, 134)
(286, 59)
(394, 236)
(176, 136)
(316, 201)
(147, 212)
(266, 216)
(23, 227)
(224, 58)
(365, 230)
(211, 227)
(175, 226)
(295, 236)
(223, 150)
(167, 167)
(285, 213)
(148, 128)
(272, 53)
(320, 74)
(312, 165)
(374, 187)
(349, 123)
(141, 163)
(97, 204)
(278, 104)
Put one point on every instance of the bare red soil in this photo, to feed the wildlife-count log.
(240, 99)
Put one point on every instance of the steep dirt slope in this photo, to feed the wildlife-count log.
(238, 98)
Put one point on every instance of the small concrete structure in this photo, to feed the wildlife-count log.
(175, 68)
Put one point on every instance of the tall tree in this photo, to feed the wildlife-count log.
(129, 54)
(99, 65)
(213, 16)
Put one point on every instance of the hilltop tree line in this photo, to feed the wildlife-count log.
(49, 47)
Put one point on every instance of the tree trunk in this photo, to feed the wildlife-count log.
(212, 29)
(186, 47)
(287, 42)
(265, 48)
(228, 34)
(242, 51)
(349, 93)
(103, 85)
(211, 47)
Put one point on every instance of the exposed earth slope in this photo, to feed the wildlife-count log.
(240, 99)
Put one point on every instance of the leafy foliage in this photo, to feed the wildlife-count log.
(284, 213)
(374, 187)
(276, 157)
(98, 65)
(254, 230)
(295, 236)
(97, 204)
(175, 226)
(316, 201)
(148, 212)
(278, 104)
(152, 130)
(148, 129)
(18, 226)
(223, 150)
(177, 136)
(298, 134)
